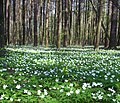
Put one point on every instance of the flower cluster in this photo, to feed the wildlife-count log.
(40, 74)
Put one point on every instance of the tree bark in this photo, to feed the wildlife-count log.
(58, 24)
(66, 17)
(47, 24)
(98, 31)
(113, 39)
(107, 35)
(23, 20)
(118, 43)
(35, 23)
(1, 25)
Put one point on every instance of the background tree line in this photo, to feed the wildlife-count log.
(60, 22)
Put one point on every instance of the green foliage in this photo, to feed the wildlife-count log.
(64, 76)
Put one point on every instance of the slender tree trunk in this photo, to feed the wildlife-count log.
(98, 31)
(47, 24)
(20, 21)
(1, 25)
(76, 24)
(8, 24)
(66, 18)
(118, 43)
(86, 23)
(23, 20)
(6, 21)
(35, 23)
(58, 24)
(14, 21)
(43, 28)
(30, 23)
(54, 34)
(40, 24)
(70, 27)
(79, 22)
(107, 35)
(113, 39)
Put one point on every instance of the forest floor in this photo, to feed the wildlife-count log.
(69, 75)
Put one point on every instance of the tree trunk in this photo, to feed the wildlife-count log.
(23, 20)
(70, 27)
(35, 23)
(98, 31)
(66, 17)
(30, 23)
(43, 28)
(107, 35)
(58, 24)
(6, 21)
(40, 24)
(118, 43)
(14, 22)
(113, 31)
(1, 25)
(47, 24)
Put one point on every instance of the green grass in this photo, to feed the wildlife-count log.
(70, 75)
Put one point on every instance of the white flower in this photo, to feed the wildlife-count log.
(18, 86)
(85, 85)
(19, 100)
(68, 94)
(66, 80)
(112, 90)
(11, 99)
(108, 73)
(71, 85)
(71, 92)
(57, 80)
(42, 96)
(29, 93)
(100, 97)
(94, 97)
(14, 81)
(19, 79)
(113, 76)
(62, 86)
(45, 93)
(94, 84)
(34, 86)
(77, 91)
(114, 100)
(40, 86)
(109, 95)
(5, 86)
(25, 91)
(54, 87)
(2, 96)
(39, 92)
(61, 90)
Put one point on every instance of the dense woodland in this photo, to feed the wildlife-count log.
(59, 51)
(60, 22)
